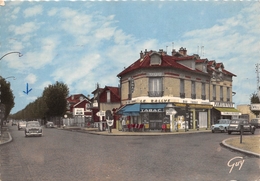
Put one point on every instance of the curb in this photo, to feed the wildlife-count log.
(223, 143)
(8, 141)
(105, 133)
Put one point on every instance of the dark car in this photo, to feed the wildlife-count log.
(235, 126)
(49, 124)
(255, 122)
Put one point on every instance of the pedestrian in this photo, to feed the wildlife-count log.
(123, 125)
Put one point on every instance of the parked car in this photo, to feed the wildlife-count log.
(255, 122)
(221, 126)
(49, 124)
(14, 122)
(235, 126)
(21, 125)
(33, 128)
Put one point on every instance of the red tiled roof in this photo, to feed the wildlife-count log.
(172, 62)
(167, 61)
(114, 90)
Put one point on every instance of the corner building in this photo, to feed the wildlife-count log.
(158, 83)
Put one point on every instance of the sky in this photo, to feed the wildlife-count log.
(82, 43)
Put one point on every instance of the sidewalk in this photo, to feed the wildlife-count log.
(116, 132)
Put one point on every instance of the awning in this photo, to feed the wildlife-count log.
(228, 111)
(131, 110)
(152, 107)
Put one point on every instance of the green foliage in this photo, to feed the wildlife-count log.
(55, 98)
(255, 100)
(6, 96)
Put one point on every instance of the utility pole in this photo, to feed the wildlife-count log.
(257, 76)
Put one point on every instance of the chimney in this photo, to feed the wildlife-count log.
(141, 54)
(145, 52)
(183, 51)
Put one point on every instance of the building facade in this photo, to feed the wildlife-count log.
(191, 86)
(107, 98)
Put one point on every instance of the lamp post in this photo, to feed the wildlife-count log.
(171, 112)
(10, 77)
(20, 54)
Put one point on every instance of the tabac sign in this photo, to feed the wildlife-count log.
(255, 107)
(152, 110)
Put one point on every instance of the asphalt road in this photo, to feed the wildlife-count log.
(71, 156)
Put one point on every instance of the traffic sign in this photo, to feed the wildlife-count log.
(100, 113)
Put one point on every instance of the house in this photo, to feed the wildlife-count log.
(78, 107)
(178, 90)
(107, 98)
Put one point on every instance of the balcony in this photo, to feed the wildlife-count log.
(155, 93)
(182, 95)
(203, 97)
(193, 96)
(228, 99)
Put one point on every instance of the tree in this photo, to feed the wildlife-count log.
(55, 98)
(255, 100)
(6, 96)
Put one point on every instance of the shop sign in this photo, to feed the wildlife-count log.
(255, 107)
(155, 100)
(155, 74)
(223, 104)
(230, 113)
(78, 111)
(152, 110)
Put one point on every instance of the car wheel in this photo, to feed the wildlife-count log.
(229, 132)
(253, 131)
(213, 131)
(225, 130)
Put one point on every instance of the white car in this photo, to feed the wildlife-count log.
(33, 128)
(221, 126)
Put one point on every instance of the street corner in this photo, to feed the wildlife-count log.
(248, 144)
(5, 138)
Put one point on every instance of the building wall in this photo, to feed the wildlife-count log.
(245, 109)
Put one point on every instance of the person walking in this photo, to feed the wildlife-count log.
(123, 125)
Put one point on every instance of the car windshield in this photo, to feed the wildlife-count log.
(223, 121)
(236, 121)
(33, 125)
(255, 120)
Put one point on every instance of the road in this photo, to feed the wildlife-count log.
(72, 156)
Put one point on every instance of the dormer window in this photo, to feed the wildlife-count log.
(155, 59)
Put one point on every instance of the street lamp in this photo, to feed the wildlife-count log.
(11, 53)
(10, 77)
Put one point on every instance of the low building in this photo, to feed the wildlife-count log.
(78, 111)
(107, 98)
